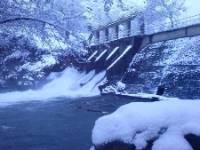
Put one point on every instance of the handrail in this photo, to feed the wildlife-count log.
(179, 23)
(151, 28)
(122, 19)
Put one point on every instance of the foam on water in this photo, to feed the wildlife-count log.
(70, 83)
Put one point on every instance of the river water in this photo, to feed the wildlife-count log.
(59, 116)
(62, 124)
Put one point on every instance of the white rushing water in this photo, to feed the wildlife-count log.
(69, 83)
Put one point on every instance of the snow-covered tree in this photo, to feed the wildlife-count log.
(101, 12)
(66, 13)
(163, 10)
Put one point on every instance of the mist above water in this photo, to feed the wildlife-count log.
(69, 83)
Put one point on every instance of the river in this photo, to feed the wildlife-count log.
(60, 124)
(58, 116)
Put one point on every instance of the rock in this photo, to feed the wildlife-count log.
(117, 145)
(193, 140)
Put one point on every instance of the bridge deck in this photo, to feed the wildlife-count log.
(121, 58)
(124, 28)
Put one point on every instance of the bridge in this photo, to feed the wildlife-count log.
(113, 46)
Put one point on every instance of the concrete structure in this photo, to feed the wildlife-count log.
(189, 31)
(124, 32)
(134, 26)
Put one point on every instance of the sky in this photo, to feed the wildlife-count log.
(193, 7)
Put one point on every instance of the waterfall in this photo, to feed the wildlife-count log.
(70, 83)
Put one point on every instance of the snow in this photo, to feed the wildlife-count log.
(179, 60)
(112, 53)
(137, 123)
(121, 85)
(182, 51)
(17, 55)
(118, 88)
(111, 89)
(53, 42)
(46, 61)
(94, 10)
(119, 58)
(147, 96)
(92, 148)
(192, 8)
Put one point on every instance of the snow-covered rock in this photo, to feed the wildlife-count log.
(165, 124)
(114, 88)
(121, 85)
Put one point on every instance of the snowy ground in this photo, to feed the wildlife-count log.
(166, 122)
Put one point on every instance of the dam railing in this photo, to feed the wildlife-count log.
(136, 26)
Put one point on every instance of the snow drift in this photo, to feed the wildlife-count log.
(164, 122)
(69, 83)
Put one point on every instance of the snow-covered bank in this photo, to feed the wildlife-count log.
(69, 83)
(164, 122)
(30, 51)
(173, 65)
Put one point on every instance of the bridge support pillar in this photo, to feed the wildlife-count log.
(106, 34)
(96, 37)
(116, 31)
(102, 36)
(113, 33)
(127, 28)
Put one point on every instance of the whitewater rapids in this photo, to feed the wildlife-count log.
(69, 83)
